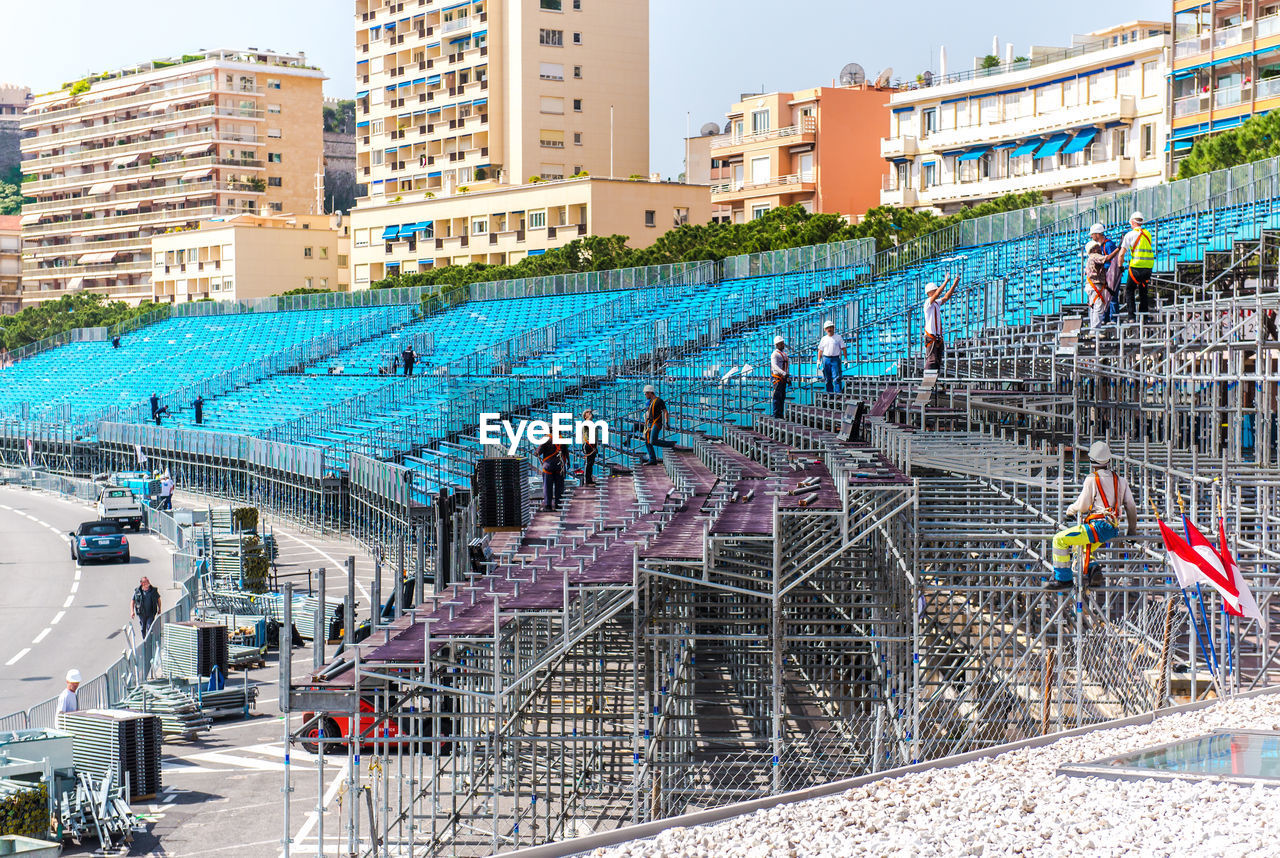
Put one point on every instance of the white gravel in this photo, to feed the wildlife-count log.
(1015, 804)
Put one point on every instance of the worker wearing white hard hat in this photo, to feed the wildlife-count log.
(1138, 249)
(780, 367)
(1096, 293)
(1102, 497)
(831, 357)
(934, 297)
(655, 420)
(67, 701)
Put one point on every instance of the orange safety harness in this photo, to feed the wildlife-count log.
(548, 459)
(1110, 513)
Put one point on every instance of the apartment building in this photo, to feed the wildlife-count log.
(819, 148)
(1064, 121)
(13, 102)
(457, 101)
(503, 224)
(121, 157)
(1225, 68)
(10, 264)
(251, 256)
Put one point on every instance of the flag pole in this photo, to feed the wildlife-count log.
(1204, 612)
(1219, 509)
(1187, 601)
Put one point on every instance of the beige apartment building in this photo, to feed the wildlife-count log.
(251, 256)
(456, 101)
(125, 156)
(10, 265)
(499, 224)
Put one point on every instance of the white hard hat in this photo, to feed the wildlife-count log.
(1100, 453)
(930, 288)
(1091, 247)
(1097, 229)
(648, 388)
(828, 324)
(1136, 217)
(73, 675)
(778, 340)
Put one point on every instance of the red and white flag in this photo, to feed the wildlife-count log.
(1248, 606)
(1196, 560)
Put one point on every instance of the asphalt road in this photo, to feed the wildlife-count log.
(54, 613)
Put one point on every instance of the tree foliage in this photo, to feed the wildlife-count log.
(1257, 138)
(778, 229)
(341, 119)
(82, 310)
(11, 198)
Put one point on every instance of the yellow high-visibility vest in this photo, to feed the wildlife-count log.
(1143, 254)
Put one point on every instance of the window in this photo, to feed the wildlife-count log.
(274, 133)
(273, 108)
(679, 216)
(273, 158)
(274, 182)
(928, 121)
(273, 83)
(577, 72)
(324, 253)
(552, 104)
(1118, 142)
(342, 260)
(758, 212)
(1148, 140)
(759, 121)
(538, 219)
(577, 105)
(1152, 82)
(362, 240)
(577, 38)
(308, 281)
(306, 253)
(650, 217)
(577, 141)
(551, 38)
(577, 5)
(479, 225)
(551, 71)
(324, 282)
(760, 171)
(551, 5)
(275, 207)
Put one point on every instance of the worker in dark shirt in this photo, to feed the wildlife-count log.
(155, 405)
(198, 405)
(146, 604)
(554, 462)
(408, 358)
(655, 420)
(590, 447)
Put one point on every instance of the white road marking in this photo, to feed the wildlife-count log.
(11, 662)
(329, 796)
(75, 585)
(57, 618)
(70, 599)
(339, 565)
(219, 758)
(44, 634)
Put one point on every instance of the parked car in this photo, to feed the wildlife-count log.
(116, 503)
(99, 540)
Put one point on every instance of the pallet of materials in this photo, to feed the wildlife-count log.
(193, 649)
(123, 743)
(24, 808)
(179, 713)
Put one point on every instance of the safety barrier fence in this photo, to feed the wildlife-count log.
(138, 655)
(75, 335)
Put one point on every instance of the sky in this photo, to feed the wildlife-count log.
(703, 53)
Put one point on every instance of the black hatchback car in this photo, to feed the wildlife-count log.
(99, 540)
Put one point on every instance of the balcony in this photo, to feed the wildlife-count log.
(903, 198)
(85, 226)
(905, 146)
(158, 144)
(1120, 170)
(1119, 109)
(161, 169)
(808, 126)
(790, 184)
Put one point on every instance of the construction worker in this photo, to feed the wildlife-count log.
(655, 420)
(67, 700)
(1095, 283)
(1103, 494)
(935, 297)
(1139, 248)
(590, 447)
(780, 366)
(830, 352)
(554, 462)
(1110, 249)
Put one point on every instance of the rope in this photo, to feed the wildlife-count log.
(1047, 684)
(1166, 649)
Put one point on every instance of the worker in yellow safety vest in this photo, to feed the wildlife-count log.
(1139, 248)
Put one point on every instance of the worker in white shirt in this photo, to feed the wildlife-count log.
(1101, 498)
(935, 297)
(780, 367)
(830, 351)
(166, 491)
(67, 701)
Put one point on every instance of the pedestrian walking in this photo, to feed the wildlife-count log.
(67, 700)
(830, 357)
(166, 491)
(590, 447)
(780, 367)
(145, 605)
(655, 420)
(1102, 496)
(554, 464)
(408, 358)
(934, 343)
(1139, 249)
(198, 405)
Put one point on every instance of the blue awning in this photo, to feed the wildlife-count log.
(536, 252)
(480, 102)
(427, 262)
(362, 124)
(1049, 149)
(973, 154)
(1081, 140)
(437, 174)
(1180, 145)
(402, 84)
(419, 80)
(465, 38)
(393, 264)
(389, 233)
(435, 111)
(1026, 149)
(899, 160)
(424, 226)
(434, 80)
(406, 229)
(904, 109)
(478, 33)
(1000, 146)
(362, 93)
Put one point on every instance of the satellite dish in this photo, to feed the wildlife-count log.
(852, 75)
(882, 79)
(710, 130)
(728, 126)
